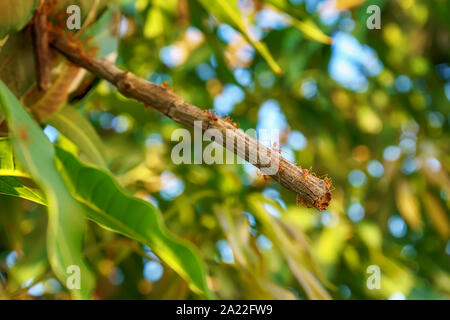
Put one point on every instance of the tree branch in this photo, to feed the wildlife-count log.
(309, 189)
(41, 48)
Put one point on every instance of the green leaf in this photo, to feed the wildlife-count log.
(11, 171)
(12, 186)
(294, 257)
(310, 29)
(114, 209)
(8, 164)
(79, 130)
(301, 21)
(228, 12)
(15, 14)
(66, 215)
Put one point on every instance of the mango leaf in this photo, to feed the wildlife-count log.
(12, 186)
(309, 29)
(111, 207)
(11, 171)
(8, 164)
(301, 21)
(228, 12)
(79, 130)
(294, 257)
(15, 14)
(66, 215)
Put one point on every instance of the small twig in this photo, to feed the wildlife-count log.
(41, 47)
(309, 188)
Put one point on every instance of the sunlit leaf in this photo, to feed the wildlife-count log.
(301, 21)
(78, 129)
(66, 215)
(12, 186)
(228, 12)
(290, 251)
(114, 209)
(8, 164)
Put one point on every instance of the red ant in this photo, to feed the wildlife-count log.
(274, 148)
(228, 120)
(301, 201)
(264, 176)
(212, 117)
(165, 85)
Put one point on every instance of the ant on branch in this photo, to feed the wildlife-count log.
(301, 201)
(165, 85)
(228, 120)
(328, 183)
(264, 176)
(275, 147)
(212, 116)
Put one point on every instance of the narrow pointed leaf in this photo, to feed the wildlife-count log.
(8, 164)
(301, 21)
(12, 186)
(66, 215)
(114, 209)
(228, 12)
(79, 130)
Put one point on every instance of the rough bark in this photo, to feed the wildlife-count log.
(41, 47)
(309, 189)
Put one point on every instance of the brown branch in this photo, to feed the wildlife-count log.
(310, 190)
(41, 47)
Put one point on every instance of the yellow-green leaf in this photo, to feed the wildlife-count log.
(228, 12)
(66, 215)
(111, 207)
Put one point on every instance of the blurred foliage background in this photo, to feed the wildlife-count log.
(367, 108)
